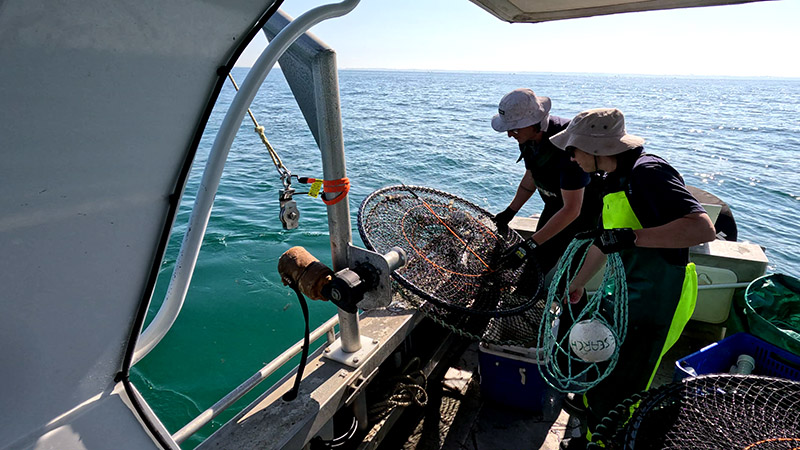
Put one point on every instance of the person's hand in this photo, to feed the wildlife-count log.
(518, 253)
(615, 240)
(575, 293)
(503, 218)
(610, 241)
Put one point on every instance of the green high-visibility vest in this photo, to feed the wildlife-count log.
(618, 213)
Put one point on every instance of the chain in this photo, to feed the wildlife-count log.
(283, 171)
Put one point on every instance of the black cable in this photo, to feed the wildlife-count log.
(292, 394)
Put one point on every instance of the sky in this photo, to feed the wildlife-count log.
(752, 39)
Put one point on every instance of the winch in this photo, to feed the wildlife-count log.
(365, 284)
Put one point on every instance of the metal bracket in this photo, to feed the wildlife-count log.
(334, 352)
(381, 295)
(357, 386)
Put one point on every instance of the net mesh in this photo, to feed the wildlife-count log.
(712, 412)
(455, 262)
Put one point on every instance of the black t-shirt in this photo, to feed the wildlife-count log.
(657, 194)
(550, 166)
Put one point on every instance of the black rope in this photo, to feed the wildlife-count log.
(292, 394)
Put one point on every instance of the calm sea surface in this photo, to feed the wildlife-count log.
(736, 138)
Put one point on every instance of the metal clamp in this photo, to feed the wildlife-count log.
(357, 386)
(382, 267)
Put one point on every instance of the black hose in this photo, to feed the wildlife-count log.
(292, 394)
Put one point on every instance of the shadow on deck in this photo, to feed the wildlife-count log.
(457, 418)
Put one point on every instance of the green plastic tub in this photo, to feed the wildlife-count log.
(772, 308)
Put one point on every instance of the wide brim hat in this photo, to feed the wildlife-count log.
(520, 108)
(598, 132)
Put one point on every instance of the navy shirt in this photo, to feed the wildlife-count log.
(550, 166)
(657, 195)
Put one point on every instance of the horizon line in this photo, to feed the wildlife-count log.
(377, 69)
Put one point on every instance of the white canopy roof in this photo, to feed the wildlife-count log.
(544, 10)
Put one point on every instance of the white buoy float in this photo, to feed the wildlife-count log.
(592, 341)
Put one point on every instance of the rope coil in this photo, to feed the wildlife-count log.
(407, 390)
(563, 370)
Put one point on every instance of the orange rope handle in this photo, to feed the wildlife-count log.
(765, 441)
(436, 266)
(342, 186)
(455, 234)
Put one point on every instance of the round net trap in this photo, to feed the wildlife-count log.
(456, 262)
(711, 412)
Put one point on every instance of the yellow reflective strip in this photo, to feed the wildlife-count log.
(682, 314)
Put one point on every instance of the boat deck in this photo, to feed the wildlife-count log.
(465, 421)
(332, 394)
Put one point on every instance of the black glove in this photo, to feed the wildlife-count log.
(528, 283)
(502, 219)
(518, 253)
(591, 234)
(615, 239)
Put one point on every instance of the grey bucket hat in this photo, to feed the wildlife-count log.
(598, 132)
(520, 108)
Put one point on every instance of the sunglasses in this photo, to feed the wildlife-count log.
(536, 128)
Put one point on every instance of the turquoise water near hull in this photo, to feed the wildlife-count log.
(736, 138)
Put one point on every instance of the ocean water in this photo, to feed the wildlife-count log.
(736, 138)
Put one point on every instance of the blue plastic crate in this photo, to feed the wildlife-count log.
(720, 356)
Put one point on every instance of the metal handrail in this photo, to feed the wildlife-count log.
(704, 287)
(201, 212)
(209, 414)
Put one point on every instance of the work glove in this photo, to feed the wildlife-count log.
(502, 219)
(610, 241)
(529, 283)
(517, 254)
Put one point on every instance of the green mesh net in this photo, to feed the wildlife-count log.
(563, 369)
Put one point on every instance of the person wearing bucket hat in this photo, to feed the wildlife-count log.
(651, 219)
(570, 204)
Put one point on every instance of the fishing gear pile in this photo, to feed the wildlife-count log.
(579, 357)
(708, 412)
(456, 263)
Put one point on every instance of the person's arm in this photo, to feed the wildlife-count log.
(525, 190)
(593, 262)
(689, 230)
(573, 200)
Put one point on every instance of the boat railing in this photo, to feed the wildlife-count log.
(327, 123)
(326, 329)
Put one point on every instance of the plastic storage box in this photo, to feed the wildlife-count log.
(720, 356)
(510, 376)
(713, 305)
